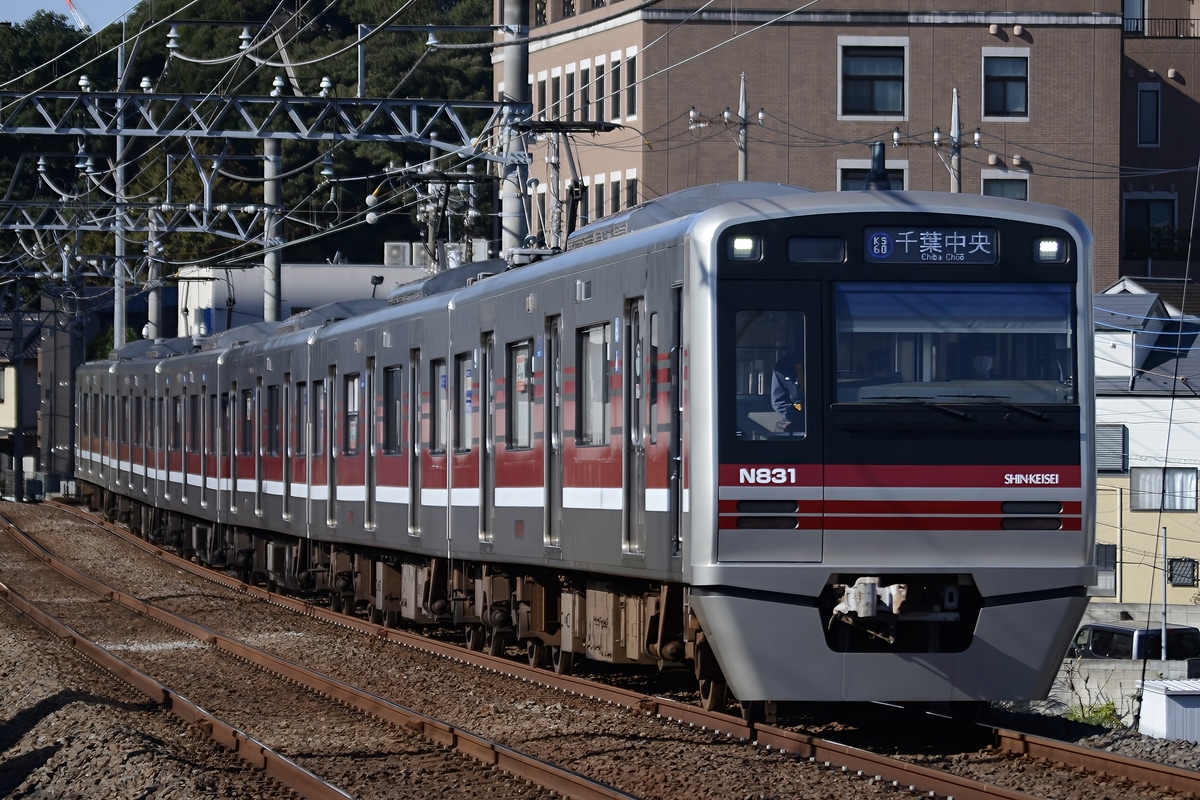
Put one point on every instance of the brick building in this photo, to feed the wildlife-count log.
(1042, 87)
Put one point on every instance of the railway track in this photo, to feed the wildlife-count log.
(191, 670)
(866, 770)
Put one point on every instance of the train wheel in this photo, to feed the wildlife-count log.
(562, 661)
(495, 643)
(714, 695)
(753, 713)
(474, 638)
(535, 651)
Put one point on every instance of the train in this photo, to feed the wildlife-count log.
(810, 446)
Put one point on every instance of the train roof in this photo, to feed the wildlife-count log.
(677, 205)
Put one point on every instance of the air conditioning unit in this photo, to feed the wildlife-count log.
(397, 254)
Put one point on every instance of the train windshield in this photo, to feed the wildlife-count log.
(955, 343)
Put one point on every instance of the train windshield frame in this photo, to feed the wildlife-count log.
(933, 343)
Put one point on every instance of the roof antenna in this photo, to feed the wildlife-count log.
(877, 178)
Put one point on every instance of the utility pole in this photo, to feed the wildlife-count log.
(955, 147)
(516, 96)
(271, 279)
(697, 120)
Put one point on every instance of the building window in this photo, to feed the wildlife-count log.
(873, 81)
(1012, 188)
(598, 192)
(1149, 114)
(1106, 568)
(614, 195)
(852, 179)
(1182, 571)
(631, 86)
(520, 395)
(568, 8)
(541, 95)
(585, 94)
(1135, 16)
(393, 415)
(1112, 448)
(1005, 86)
(555, 90)
(592, 405)
(600, 92)
(1162, 489)
(569, 98)
(614, 75)
(631, 191)
(1149, 227)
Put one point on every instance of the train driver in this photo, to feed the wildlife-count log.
(787, 392)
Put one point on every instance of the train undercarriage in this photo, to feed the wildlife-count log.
(556, 617)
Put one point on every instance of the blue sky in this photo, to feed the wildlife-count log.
(98, 12)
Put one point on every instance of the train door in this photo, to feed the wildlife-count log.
(210, 440)
(233, 446)
(256, 416)
(414, 438)
(331, 449)
(636, 395)
(487, 438)
(288, 422)
(552, 442)
(675, 443)
(372, 438)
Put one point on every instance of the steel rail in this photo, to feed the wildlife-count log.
(510, 760)
(253, 752)
(1174, 778)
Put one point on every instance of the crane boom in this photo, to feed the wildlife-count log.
(80, 19)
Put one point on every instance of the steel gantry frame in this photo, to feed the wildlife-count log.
(126, 116)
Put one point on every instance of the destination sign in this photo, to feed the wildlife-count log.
(930, 245)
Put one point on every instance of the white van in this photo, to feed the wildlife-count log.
(1134, 640)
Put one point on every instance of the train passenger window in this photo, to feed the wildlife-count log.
(210, 434)
(226, 423)
(175, 442)
(652, 364)
(246, 439)
(441, 403)
(463, 402)
(350, 402)
(593, 404)
(274, 423)
(933, 342)
(194, 419)
(138, 420)
(393, 391)
(301, 418)
(123, 434)
(769, 349)
(520, 395)
(318, 428)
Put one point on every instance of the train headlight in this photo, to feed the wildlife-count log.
(745, 248)
(1050, 251)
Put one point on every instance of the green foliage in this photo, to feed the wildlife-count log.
(1103, 714)
(316, 40)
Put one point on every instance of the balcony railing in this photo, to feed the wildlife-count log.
(1162, 28)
